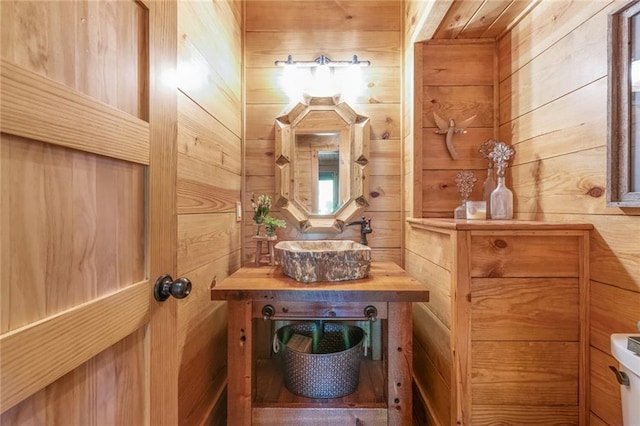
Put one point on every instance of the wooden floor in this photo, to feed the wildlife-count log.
(271, 389)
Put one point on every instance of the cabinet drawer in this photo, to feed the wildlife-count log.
(525, 309)
(524, 256)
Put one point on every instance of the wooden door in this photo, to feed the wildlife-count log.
(88, 212)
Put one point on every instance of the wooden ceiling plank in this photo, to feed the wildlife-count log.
(485, 18)
(516, 10)
(457, 18)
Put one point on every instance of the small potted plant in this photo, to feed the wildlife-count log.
(271, 224)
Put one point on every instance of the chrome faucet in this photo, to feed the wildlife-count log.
(365, 228)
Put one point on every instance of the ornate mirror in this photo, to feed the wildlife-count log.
(322, 153)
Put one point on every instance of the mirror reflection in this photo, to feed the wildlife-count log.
(321, 167)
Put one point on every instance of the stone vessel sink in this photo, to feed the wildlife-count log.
(324, 260)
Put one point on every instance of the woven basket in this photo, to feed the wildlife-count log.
(332, 370)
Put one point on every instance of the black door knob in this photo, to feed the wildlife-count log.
(166, 286)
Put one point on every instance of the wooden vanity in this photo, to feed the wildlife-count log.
(255, 391)
(504, 338)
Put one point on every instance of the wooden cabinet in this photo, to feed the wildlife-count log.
(503, 339)
(255, 391)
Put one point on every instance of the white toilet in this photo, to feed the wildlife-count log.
(630, 367)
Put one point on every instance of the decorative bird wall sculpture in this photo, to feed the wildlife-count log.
(448, 129)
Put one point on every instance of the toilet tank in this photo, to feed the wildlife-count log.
(630, 366)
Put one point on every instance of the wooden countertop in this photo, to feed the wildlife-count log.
(496, 225)
(387, 282)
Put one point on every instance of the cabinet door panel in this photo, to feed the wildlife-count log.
(524, 373)
(533, 309)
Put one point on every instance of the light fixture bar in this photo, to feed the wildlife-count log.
(323, 60)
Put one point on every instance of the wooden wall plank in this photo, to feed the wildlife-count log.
(384, 194)
(606, 299)
(571, 183)
(437, 281)
(209, 184)
(214, 42)
(457, 83)
(459, 64)
(260, 157)
(203, 237)
(79, 334)
(351, 15)
(386, 232)
(571, 123)
(434, 338)
(605, 390)
(547, 23)
(435, 155)
(433, 246)
(200, 81)
(433, 388)
(458, 102)
(380, 47)
(549, 70)
(29, 98)
(385, 157)
(556, 117)
(440, 193)
(385, 120)
(202, 137)
(378, 85)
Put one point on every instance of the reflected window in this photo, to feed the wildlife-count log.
(327, 193)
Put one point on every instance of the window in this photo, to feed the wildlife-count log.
(623, 152)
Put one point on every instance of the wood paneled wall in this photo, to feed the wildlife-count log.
(553, 109)
(420, 22)
(208, 187)
(455, 81)
(307, 29)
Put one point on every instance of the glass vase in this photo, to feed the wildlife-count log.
(501, 201)
(487, 188)
(460, 212)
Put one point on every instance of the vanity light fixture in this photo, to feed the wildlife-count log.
(323, 60)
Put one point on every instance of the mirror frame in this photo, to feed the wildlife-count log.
(619, 133)
(285, 147)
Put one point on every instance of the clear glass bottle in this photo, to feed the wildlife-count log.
(501, 201)
(487, 188)
(460, 212)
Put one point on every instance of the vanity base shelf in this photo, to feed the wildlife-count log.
(270, 389)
